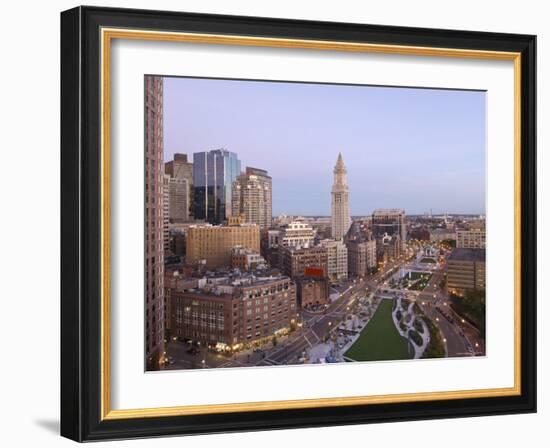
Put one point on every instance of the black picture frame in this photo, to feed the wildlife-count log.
(81, 224)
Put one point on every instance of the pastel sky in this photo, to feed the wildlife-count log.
(417, 149)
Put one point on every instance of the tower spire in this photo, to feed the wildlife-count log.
(340, 200)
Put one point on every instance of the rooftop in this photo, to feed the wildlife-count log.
(442, 231)
(467, 255)
(389, 211)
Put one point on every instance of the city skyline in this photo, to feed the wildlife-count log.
(228, 286)
(420, 178)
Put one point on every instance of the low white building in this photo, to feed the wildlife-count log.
(297, 234)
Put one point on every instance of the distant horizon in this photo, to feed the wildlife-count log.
(408, 215)
(401, 146)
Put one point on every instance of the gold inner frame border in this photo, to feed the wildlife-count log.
(107, 35)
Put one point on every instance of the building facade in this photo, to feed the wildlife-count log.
(337, 263)
(470, 239)
(166, 212)
(273, 238)
(181, 168)
(390, 222)
(438, 235)
(312, 291)
(388, 248)
(211, 246)
(234, 314)
(252, 197)
(213, 175)
(295, 261)
(466, 270)
(246, 259)
(361, 257)
(341, 220)
(296, 234)
(154, 223)
(179, 193)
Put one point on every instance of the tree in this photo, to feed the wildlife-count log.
(450, 243)
(472, 307)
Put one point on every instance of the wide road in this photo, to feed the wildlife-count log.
(454, 342)
(316, 328)
(461, 337)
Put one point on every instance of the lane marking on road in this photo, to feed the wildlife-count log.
(271, 361)
(316, 335)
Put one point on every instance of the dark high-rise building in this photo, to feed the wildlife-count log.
(213, 175)
(389, 222)
(154, 225)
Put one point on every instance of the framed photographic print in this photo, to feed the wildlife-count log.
(273, 223)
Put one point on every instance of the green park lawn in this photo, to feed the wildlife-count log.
(379, 340)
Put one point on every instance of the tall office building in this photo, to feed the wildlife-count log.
(181, 168)
(179, 200)
(252, 197)
(154, 225)
(340, 201)
(389, 222)
(166, 212)
(213, 175)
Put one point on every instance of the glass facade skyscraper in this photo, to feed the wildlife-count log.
(213, 175)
